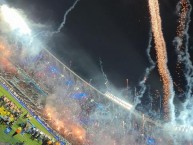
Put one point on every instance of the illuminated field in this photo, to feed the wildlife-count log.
(20, 138)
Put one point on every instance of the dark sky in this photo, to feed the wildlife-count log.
(114, 30)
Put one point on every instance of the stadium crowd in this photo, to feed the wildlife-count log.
(9, 112)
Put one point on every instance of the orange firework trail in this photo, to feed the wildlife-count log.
(162, 59)
(183, 24)
(182, 20)
(182, 43)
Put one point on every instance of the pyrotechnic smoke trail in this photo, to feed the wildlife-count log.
(147, 71)
(182, 43)
(182, 35)
(148, 51)
(65, 16)
(61, 24)
(162, 60)
(104, 75)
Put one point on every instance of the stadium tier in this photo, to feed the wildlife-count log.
(71, 108)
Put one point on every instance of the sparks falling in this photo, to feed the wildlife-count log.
(181, 44)
(162, 60)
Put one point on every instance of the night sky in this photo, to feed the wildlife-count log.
(115, 31)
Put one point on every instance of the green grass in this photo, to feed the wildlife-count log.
(8, 138)
(18, 138)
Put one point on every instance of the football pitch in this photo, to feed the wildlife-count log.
(6, 138)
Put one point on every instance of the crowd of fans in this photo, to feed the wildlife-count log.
(48, 76)
(9, 112)
(9, 115)
(54, 78)
(47, 72)
(27, 88)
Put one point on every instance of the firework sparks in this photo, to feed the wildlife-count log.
(183, 17)
(162, 59)
(181, 44)
(5, 53)
(65, 124)
(182, 41)
(80, 118)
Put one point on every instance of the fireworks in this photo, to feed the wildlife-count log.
(162, 59)
(5, 53)
(184, 61)
(182, 41)
(184, 4)
(63, 123)
(73, 107)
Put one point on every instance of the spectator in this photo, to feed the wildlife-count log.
(35, 134)
(25, 116)
(19, 129)
(23, 131)
(45, 141)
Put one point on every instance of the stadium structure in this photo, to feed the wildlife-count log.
(70, 108)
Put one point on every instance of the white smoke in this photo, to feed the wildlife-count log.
(65, 16)
(148, 70)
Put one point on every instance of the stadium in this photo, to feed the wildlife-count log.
(43, 102)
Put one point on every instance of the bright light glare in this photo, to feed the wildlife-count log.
(15, 20)
(118, 101)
